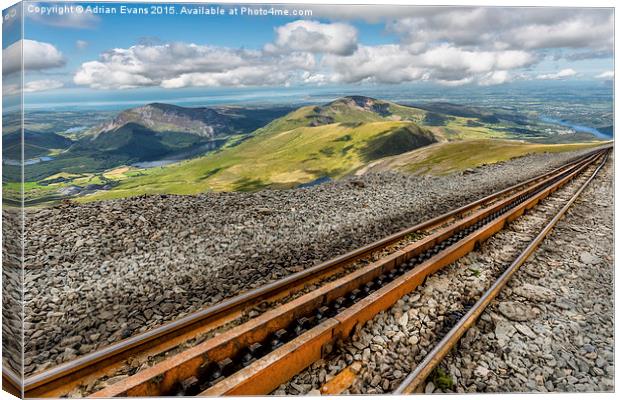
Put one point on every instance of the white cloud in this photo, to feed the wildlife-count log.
(315, 37)
(449, 58)
(32, 86)
(451, 46)
(508, 28)
(37, 56)
(11, 90)
(579, 32)
(383, 64)
(563, 74)
(81, 44)
(176, 65)
(455, 82)
(180, 65)
(606, 75)
(444, 64)
(42, 85)
(238, 77)
(494, 78)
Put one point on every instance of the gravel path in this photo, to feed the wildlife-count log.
(99, 272)
(390, 345)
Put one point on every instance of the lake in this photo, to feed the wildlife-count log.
(576, 127)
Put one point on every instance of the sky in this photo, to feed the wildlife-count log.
(106, 54)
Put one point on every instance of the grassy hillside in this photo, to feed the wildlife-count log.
(291, 147)
(448, 157)
(36, 144)
(280, 159)
(350, 110)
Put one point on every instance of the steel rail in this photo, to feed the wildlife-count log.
(180, 371)
(46, 381)
(418, 376)
(11, 382)
(277, 367)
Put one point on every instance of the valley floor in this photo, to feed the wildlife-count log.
(102, 271)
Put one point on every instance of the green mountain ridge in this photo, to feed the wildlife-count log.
(350, 109)
(36, 144)
(152, 132)
(264, 147)
(309, 143)
(138, 143)
(160, 117)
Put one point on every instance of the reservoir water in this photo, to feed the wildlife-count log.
(576, 127)
(30, 161)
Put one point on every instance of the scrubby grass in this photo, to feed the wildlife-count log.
(441, 379)
(459, 128)
(408, 113)
(475, 272)
(314, 115)
(455, 156)
(398, 141)
(49, 187)
(341, 111)
(32, 191)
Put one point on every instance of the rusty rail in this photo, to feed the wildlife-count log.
(255, 357)
(418, 376)
(11, 382)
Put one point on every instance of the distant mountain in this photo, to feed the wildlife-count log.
(350, 109)
(158, 130)
(235, 148)
(306, 145)
(135, 142)
(158, 117)
(200, 121)
(149, 133)
(36, 144)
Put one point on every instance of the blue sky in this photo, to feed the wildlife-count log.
(110, 31)
(79, 55)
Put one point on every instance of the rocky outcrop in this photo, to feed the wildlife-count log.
(160, 117)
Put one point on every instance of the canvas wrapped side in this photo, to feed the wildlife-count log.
(12, 202)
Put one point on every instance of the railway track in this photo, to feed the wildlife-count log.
(417, 377)
(251, 343)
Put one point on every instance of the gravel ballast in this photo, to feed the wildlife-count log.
(568, 344)
(103, 271)
(551, 328)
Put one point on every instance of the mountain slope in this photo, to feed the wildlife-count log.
(281, 159)
(200, 121)
(350, 109)
(150, 133)
(138, 143)
(448, 157)
(160, 117)
(36, 144)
